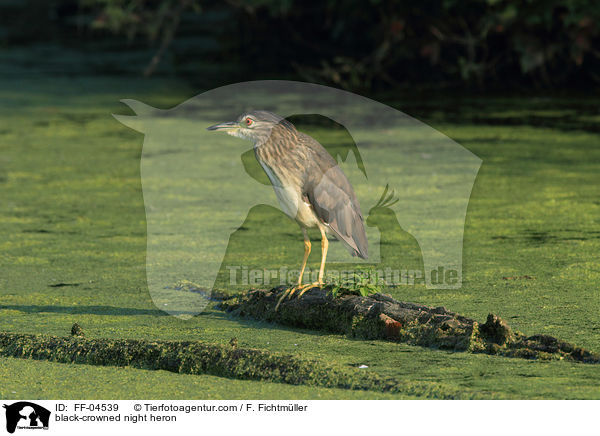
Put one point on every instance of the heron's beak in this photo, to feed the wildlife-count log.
(224, 126)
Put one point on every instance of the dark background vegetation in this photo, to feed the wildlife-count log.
(368, 45)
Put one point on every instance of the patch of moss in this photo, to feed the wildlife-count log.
(496, 330)
(203, 358)
(367, 327)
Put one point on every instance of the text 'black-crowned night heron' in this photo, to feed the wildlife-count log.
(310, 186)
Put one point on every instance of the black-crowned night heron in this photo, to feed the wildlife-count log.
(309, 184)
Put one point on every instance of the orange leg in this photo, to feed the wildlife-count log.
(324, 248)
(306, 253)
(290, 292)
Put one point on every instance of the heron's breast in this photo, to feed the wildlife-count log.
(289, 194)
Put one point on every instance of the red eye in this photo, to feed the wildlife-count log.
(249, 121)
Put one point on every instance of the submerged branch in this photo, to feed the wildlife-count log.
(381, 317)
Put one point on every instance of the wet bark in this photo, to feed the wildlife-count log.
(382, 317)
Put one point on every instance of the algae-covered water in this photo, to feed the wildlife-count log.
(73, 246)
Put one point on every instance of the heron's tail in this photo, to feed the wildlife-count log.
(360, 239)
(356, 241)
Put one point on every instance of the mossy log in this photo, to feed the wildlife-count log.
(380, 316)
(194, 357)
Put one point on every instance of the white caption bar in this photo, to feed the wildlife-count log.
(264, 417)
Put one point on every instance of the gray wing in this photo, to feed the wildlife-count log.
(331, 195)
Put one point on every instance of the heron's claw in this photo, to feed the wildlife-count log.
(302, 288)
(310, 286)
(285, 294)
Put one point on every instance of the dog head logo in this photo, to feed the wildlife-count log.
(26, 415)
(199, 187)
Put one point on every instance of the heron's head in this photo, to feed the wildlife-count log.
(255, 126)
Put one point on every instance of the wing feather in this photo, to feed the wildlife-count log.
(333, 199)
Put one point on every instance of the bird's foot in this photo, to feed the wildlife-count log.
(285, 294)
(302, 288)
(305, 288)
